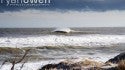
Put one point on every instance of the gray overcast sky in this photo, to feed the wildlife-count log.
(35, 18)
(66, 13)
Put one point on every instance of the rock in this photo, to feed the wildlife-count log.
(112, 68)
(118, 58)
(61, 66)
(81, 65)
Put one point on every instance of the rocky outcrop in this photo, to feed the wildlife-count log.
(70, 65)
(116, 63)
(118, 58)
(61, 66)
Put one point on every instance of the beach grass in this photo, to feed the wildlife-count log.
(121, 65)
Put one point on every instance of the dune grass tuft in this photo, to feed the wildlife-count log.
(121, 65)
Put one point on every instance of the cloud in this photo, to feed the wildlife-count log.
(66, 5)
(37, 18)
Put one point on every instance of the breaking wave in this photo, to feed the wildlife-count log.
(94, 40)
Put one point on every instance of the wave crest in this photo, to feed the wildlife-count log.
(60, 40)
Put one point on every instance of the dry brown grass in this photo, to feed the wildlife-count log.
(91, 63)
(71, 65)
(121, 65)
(86, 64)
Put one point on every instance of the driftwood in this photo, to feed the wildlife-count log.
(16, 61)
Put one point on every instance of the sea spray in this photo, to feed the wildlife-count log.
(95, 40)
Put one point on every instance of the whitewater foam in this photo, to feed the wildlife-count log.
(29, 65)
(94, 40)
(37, 65)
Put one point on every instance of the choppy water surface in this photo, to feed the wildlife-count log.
(96, 43)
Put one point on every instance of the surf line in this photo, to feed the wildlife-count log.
(26, 1)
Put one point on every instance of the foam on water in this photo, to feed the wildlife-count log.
(29, 65)
(79, 38)
(94, 40)
(37, 65)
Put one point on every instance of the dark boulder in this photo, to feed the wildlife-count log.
(97, 68)
(61, 66)
(117, 58)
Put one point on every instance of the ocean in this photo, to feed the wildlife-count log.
(47, 46)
